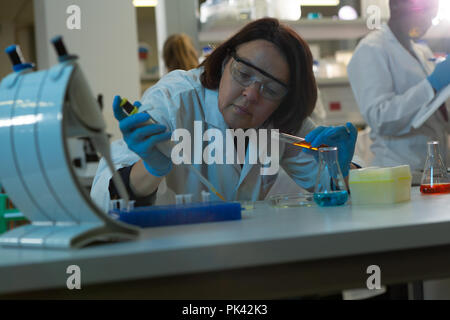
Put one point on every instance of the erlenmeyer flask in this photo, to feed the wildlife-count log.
(330, 189)
(434, 177)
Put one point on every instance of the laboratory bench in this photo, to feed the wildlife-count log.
(270, 253)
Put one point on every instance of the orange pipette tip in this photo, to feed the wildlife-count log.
(219, 195)
(306, 145)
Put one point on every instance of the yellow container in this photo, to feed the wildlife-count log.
(375, 185)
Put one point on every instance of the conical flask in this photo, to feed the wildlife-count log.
(434, 177)
(330, 189)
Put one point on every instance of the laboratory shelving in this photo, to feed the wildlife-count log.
(310, 29)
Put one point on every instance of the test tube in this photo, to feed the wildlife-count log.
(179, 198)
(205, 196)
(115, 204)
(188, 198)
(130, 205)
(112, 205)
(296, 141)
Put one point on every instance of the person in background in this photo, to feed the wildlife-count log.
(179, 53)
(394, 78)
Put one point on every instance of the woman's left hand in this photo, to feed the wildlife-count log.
(343, 137)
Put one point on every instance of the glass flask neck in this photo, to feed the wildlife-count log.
(328, 154)
(433, 149)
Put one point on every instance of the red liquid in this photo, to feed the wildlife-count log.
(308, 146)
(435, 188)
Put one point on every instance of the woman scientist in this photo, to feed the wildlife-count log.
(259, 78)
(394, 79)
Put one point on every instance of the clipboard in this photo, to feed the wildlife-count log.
(426, 112)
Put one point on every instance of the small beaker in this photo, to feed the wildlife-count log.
(330, 189)
(434, 177)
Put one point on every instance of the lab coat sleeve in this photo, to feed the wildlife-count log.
(386, 112)
(301, 167)
(170, 101)
(121, 157)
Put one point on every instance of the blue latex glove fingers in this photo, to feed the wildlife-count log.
(310, 137)
(329, 136)
(347, 148)
(352, 130)
(119, 114)
(154, 160)
(142, 137)
(131, 123)
(313, 134)
(144, 143)
(144, 133)
(151, 142)
(440, 78)
(343, 137)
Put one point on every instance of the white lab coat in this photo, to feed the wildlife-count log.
(176, 101)
(390, 87)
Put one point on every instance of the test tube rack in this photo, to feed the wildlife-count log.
(155, 216)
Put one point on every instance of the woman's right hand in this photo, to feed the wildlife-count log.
(142, 138)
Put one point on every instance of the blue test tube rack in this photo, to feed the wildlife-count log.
(154, 216)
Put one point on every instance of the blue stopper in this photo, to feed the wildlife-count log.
(61, 50)
(17, 60)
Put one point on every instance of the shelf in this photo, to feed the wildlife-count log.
(332, 81)
(439, 31)
(149, 77)
(317, 29)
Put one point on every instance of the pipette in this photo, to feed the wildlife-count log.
(131, 109)
(296, 141)
(206, 182)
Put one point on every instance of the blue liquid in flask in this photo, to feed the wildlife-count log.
(328, 199)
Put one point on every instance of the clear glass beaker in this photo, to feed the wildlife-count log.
(330, 189)
(434, 177)
(287, 200)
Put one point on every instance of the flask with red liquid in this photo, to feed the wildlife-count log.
(434, 178)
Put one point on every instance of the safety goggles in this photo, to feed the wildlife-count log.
(246, 74)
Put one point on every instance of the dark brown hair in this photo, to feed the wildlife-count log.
(179, 53)
(299, 103)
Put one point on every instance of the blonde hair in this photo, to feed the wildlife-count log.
(179, 53)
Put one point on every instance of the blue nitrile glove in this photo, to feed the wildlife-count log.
(142, 139)
(440, 78)
(343, 137)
